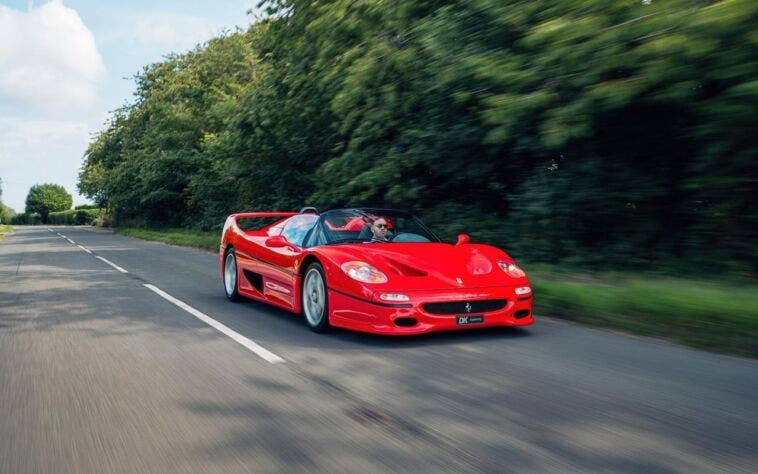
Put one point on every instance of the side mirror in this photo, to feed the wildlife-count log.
(277, 241)
(463, 239)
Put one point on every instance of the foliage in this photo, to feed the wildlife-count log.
(597, 133)
(6, 213)
(75, 217)
(46, 198)
(26, 219)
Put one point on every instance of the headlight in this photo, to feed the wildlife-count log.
(363, 272)
(511, 269)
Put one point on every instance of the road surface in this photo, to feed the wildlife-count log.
(119, 355)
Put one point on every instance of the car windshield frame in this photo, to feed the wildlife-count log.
(323, 235)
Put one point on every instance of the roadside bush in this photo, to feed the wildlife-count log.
(27, 219)
(75, 216)
(86, 206)
(61, 218)
(84, 216)
(103, 220)
(6, 214)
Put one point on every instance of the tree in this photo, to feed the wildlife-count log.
(6, 213)
(594, 128)
(46, 198)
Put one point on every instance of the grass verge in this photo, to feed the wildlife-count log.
(716, 316)
(5, 229)
(190, 238)
(720, 316)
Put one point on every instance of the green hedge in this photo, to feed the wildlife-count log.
(75, 216)
(26, 219)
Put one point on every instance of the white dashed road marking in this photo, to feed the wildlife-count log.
(257, 349)
(111, 264)
(261, 352)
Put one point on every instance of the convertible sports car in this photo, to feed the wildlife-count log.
(373, 270)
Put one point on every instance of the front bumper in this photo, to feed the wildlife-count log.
(350, 312)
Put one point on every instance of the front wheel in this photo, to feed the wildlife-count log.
(230, 276)
(314, 298)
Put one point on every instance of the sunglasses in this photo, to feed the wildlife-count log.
(381, 226)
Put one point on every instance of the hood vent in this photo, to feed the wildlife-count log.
(403, 269)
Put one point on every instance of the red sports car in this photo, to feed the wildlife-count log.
(375, 270)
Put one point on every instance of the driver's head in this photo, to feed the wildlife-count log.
(379, 228)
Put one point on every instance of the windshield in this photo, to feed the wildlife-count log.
(369, 225)
(296, 229)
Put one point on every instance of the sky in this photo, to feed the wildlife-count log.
(64, 65)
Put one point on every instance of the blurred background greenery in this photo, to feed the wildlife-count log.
(595, 135)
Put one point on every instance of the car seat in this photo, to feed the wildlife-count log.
(365, 233)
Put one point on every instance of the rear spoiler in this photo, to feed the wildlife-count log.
(253, 215)
(234, 218)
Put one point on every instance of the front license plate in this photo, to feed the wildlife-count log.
(469, 319)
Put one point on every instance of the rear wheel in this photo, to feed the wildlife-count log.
(314, 298)
(230, 276)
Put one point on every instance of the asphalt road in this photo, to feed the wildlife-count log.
(99, 373)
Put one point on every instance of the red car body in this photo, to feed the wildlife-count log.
(427, 285)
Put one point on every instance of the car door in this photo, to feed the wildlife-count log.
(281, 259)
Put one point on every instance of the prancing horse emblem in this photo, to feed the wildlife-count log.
(468, 307)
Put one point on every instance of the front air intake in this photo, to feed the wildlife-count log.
(465, 307)
(405, 322)
(522, 313)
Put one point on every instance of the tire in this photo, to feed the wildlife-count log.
(231, 276)
(315, 299)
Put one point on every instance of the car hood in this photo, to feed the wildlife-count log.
(430, 266)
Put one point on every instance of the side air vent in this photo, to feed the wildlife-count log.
(255, 279)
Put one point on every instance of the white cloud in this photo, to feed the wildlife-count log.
(40, 151)
(49, 61)
(157, 33)
(172, 30)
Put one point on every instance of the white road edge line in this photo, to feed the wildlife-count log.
(71, 241)
(85, 249)
(111, 264)
(261, 352)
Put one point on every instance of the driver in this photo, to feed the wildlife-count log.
(379, 230)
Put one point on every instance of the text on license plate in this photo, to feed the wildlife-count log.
(469, 319)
